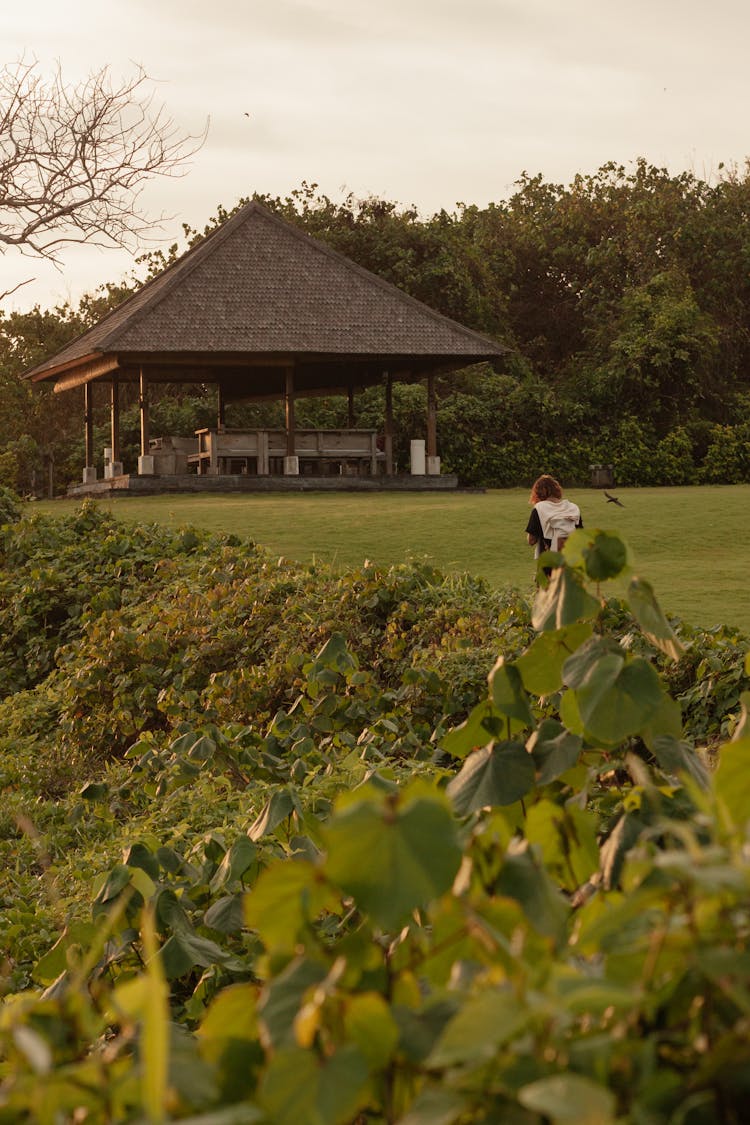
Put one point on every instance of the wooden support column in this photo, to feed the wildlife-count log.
(388, 424)
(146, 459)
(291, 461)
(221, 409)
(114, 414)
(431, 417)
(350, 407)
(89, 470)
(143, 407)
(433, 461)
(115, 467)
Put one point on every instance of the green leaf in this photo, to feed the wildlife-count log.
(623, 836)
(570, 1098)
(115, 883)
(138, 855)
(393, 853)
(94, 791)
(522, 879)
(554, 750)
(507, 694)
(666, 722)
(300, 1089)
(474, 732)
(371, 1027)
(563, 602)
(605, 556)
(678, 758)
(75, 938)
(742, 729)
(616, 694)
(231, 1014)
(225, 915)
(276, 809)
(182, 952)
(237, 860)
(495, 775)
(282, 999)
(648, 614)
(566, 836)
(419, 1030)
(542, 662)
(732, 782)
(480, 1026)
(334, 656)
(578, 668)
(435, 1107)
(290, 1087)
(285, 901)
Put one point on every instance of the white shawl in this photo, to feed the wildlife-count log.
(558, 519)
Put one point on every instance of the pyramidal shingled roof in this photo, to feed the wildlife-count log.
(259, 285)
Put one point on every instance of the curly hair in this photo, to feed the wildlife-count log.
(545, 488)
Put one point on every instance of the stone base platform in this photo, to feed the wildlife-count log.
(134, 485)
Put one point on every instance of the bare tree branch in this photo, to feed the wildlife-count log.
(74, 159)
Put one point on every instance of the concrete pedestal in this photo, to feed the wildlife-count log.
(112, 469)
(146, 465)
(416, 457)
(89, 474)
(291, 466)
(433, 466)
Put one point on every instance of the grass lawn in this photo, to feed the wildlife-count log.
(687, 541)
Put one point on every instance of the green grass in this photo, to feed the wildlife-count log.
(688, 542)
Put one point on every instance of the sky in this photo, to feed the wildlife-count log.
(423, 102)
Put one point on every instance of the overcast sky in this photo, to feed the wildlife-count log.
(426, 102)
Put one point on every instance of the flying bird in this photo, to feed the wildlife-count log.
(613, 500)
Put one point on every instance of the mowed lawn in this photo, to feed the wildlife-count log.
(689, 542)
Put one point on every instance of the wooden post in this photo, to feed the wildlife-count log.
(114, 406)
(350, 407)
(221, 409)
(289, 410)
(88, 423)
(291, 461)
(143, 406)
(431, 417)
(388, 424)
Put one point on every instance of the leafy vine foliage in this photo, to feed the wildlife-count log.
(278, 850)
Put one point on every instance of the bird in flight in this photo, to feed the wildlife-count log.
(613, 500)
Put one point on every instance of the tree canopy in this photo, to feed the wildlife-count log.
(625, 296)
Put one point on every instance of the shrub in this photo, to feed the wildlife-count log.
(727, 459)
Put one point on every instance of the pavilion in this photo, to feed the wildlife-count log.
(262, 310)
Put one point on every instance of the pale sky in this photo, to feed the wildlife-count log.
(424, 102)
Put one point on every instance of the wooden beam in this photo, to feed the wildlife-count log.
(85, 373)
(388, 424)
(88, 424)
(143, 406)
(350, 406)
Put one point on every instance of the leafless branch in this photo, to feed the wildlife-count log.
(74, 159)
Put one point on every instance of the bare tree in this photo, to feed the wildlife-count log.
(74, 159)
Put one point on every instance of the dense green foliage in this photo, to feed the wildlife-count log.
(625, 297)
(275, 849)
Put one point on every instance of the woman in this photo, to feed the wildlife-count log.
(552, 519)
